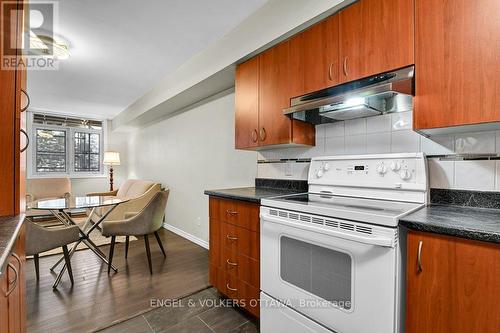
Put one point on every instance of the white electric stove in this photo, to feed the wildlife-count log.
(331, 259)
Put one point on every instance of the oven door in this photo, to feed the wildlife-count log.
(336, 277)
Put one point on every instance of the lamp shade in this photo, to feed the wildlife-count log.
(111, 158)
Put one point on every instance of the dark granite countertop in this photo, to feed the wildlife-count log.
(264, 188)
(482, 224)
(252, 194)
(9, 229)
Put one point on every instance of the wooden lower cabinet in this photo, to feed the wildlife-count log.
(235, 251)
(456, 287)
(13, 291)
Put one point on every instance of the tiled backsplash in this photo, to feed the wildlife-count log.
(392, 133)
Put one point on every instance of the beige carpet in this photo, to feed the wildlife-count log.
(95, 236)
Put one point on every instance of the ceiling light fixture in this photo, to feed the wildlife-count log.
(41, 44)
(45, 134)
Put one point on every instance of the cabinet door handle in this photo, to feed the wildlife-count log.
(419, 256)
(14, 281)
(231, 238)
(231, 212)
(262, 134)
(27, 141)
(229, 288)
(231, 263)
(255, 136)
(28, 101)
(346, 73)
(330, 77)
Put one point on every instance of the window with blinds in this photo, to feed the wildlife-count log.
(66, 146)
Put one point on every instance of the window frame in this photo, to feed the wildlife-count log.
(70, 151)
(34, 150)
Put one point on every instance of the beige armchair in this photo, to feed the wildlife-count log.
(139, 192)
(46, 188)
(40, 239)
(143, 223)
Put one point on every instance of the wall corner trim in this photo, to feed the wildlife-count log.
(186, 235)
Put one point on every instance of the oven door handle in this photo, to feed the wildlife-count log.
(378, 241)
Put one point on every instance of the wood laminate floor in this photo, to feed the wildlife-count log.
(97, 300)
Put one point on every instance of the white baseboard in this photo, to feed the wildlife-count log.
(186, 235)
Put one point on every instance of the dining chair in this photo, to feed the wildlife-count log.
(42, 189)
(40, 239)
(143, 223)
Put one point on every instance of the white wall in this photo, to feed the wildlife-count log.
(392, 133)
(189, 153)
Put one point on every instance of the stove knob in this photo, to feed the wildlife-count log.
(320, 173)
(405, 175)
(395, 166)
(381, 169)
(326, 166)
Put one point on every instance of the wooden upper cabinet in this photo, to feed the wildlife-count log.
(457, 61)
(277, 83)
(274, 95)
(457, 289)
(264, 86)
(315, 58)
(376, 36)
(247, 104)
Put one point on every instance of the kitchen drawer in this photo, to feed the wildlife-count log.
(240, 213)
(249, 295)
(245, 268)
(246, 295)
(224, 282)
(240, 240)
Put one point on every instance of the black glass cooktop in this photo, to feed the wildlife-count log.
(377, 206)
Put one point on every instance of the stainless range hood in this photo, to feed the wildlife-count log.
(371, 96)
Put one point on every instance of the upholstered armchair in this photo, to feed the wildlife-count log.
(139, 193)
(40, 239)
(45, 188)
(143, 223)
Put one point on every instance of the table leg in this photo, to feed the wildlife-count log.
(85, 238)
(63, 269)
(61, 218)
(83, 233)
(67, 220)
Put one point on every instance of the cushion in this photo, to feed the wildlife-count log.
(138, 188)
(40, 188)
(122, 192)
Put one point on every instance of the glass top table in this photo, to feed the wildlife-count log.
(76, 202)
(60, 207)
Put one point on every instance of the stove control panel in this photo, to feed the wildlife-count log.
(385, 170)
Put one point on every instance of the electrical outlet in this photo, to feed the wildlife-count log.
(198, 221)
